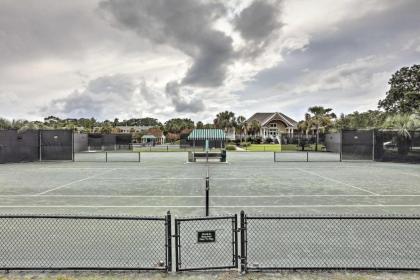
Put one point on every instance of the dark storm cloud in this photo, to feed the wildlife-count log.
(173, 92)
(259, 20)
(259, 24)
(184, 25)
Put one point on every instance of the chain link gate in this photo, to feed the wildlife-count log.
(57, 242)
(206, 243)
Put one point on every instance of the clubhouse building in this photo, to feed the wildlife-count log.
(272, 125)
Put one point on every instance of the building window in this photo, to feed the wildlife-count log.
(273, 125)
(272, 132)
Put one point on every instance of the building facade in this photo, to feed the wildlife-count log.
(272, 125)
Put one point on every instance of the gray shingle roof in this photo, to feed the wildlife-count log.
(263, 117)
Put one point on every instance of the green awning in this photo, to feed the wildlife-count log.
(207, 134)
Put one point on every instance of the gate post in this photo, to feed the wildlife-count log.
(168, 224)
(207, 195)
(243, 243)
(177, 245)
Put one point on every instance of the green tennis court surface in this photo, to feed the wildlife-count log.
(250, 182)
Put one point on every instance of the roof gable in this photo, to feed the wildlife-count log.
(264, 118)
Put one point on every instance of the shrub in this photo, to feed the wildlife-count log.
(230, 148)
(258, 140)
(268, 141)
(246, 144)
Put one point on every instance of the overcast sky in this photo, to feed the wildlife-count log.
(190, 58)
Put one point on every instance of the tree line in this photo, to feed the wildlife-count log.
(398, 110)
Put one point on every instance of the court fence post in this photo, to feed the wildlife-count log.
(106, 156)
(168, 225)
(72, 146)
(307, 156)
(341, 145)
(40, 144)
(177, 245)
(207, 195)
(243, 256)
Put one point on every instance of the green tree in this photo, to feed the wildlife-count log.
(225, 120)
(320, 118)
(356, 120)
(176, 125)
(116, 122)
(5, 123)
(404, 124)
(404, 93)
(199, 125)
(304, 126)
(241, 126)
(254, 127)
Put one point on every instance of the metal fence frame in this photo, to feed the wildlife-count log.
(106, 156)
(166, 220)
(239, 260)
(244, 267)
(308, 158)
(178, 237)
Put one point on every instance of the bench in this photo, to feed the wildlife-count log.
(193, 156)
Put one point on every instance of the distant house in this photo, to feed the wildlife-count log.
(272, 125)
(131, 129)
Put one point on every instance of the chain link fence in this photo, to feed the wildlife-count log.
(84, 242)
(31, 242)
(206, 243)
(355, 242)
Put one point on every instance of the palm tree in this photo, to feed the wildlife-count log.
(254, 127)
(320, 117)
(225, 120)
(241, 126)
(404, 124)
(305, 125)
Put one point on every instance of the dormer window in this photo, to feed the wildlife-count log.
(273, 125)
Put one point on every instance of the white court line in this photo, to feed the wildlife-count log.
(213, 206)
(336, 181)
(213, 196)
(71, 183)
(215, 167)
(415, 175)
(150, 179)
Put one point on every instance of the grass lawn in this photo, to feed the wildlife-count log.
(263, 148)
(276, 148)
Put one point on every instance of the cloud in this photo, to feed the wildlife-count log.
(181, 104)
(184, 25)
(108, 93)
(258, 21)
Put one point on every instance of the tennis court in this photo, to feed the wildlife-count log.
(249, 181)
